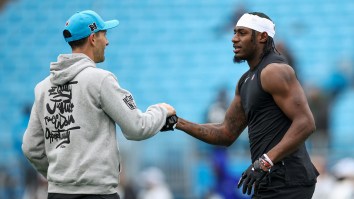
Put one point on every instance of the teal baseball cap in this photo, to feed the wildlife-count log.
(84, 23)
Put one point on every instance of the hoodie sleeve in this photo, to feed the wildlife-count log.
(33, 143)
(119, 104)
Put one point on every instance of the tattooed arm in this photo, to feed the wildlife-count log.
(218, 133)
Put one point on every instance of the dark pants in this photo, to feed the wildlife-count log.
(82, 196)
(276, 187)
(281, 192)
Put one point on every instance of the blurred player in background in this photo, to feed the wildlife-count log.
(71, 135)
(270, 101)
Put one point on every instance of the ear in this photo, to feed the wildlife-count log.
(263, 37)
(92, 39)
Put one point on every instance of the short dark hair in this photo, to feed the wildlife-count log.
(270, 46)
(76, 43)
(260, 14)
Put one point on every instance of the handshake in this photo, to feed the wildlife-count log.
(171, 119)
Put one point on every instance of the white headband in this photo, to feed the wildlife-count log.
(257, 23)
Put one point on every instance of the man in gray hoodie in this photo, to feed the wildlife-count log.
(71, 135)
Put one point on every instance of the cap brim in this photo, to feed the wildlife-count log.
(110, 24)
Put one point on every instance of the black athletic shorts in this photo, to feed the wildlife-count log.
(82, 196)
(275, 187)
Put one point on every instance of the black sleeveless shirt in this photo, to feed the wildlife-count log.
(267, 124)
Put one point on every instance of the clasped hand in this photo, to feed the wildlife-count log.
(171, 119)
(170, 124)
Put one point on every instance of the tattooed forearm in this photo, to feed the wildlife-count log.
(218, 133)
(212, 133)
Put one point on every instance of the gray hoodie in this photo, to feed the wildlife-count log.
(71, 135)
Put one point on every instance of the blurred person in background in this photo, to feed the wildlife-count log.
(154, 185)
(36, 188)
(284, 50)
(325, 180)
(341, 78)
(230, 21)
(8, 183)
(270, 101)
(224, 178)
(218, 155)
(217, 109)
(34, 184)
(71, 134)
(127, 189)
(3, 4)
(343, 171)
(319, 103)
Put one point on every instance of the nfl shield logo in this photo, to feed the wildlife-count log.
(129, 101)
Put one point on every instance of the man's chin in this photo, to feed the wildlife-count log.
(99, 60)
(238, 60)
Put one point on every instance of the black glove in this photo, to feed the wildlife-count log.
(251, 177)
(170, 124)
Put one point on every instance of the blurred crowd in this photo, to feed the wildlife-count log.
(336, 180)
